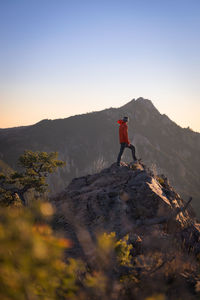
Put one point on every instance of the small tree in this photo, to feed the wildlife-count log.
(35, 167)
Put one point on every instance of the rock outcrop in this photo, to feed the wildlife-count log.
(131, 200)
(125, 199)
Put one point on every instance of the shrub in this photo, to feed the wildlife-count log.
(31, 257)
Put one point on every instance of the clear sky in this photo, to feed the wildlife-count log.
(64, 57)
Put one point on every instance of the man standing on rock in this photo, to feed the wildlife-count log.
(123, 139)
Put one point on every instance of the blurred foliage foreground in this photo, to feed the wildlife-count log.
(31, 264)
(34, 264)
(35, 261)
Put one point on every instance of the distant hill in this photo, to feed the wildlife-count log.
(89, 142)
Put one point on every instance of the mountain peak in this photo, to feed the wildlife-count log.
(144, 101)
(146, 104)
(140, 102)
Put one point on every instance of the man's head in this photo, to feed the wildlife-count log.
(125, 119)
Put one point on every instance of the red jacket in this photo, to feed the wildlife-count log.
(123, 132)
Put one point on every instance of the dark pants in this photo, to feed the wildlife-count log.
(123, 146)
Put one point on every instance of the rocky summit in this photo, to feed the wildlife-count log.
(145, 210)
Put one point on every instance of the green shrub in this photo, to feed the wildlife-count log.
(34, 169)
(31, 257)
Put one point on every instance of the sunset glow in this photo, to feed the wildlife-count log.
(70, 57)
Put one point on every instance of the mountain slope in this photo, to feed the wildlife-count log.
(89, 143)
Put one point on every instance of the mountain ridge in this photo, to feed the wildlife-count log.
(148, 103)
(89, 142)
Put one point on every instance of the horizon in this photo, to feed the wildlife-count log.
(73, 57)
(134, 99)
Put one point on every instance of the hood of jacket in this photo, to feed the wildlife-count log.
(121, 122)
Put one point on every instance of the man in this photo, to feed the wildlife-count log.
(123, 139)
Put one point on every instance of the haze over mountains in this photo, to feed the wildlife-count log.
(89, 142)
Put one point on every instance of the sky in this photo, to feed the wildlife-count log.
(65, 57)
